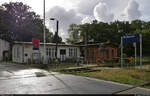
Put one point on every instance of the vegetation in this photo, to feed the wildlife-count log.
(111, 32)
(19, 23)
(130, 76)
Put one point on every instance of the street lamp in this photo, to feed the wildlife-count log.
(56, 33)
(44, 37)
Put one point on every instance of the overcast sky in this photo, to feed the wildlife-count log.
(84, 11)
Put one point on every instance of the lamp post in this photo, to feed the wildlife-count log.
(44, 32)
(56, 33)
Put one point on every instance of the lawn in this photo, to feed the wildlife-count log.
(132, 76)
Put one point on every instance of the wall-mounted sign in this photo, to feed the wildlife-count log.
(35, 44)
(36, 56)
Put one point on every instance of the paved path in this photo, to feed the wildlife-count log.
(19, 79)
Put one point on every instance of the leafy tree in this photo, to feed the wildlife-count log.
(22, 23)
(18, 23)
(112, 32)
(74, 34)
(56, 39)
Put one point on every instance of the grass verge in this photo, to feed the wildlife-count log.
(130, 76)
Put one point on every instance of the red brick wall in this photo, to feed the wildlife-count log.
(97, 53)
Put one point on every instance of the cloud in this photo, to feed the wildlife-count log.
(132, 11)
(87, 20)
(144, 8)
(102, 13)
(86, 6)
(65, 19)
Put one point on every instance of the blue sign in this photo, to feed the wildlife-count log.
(85, 47)
(131, 39)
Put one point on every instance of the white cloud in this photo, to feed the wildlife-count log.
(132, 11)
(102, 13)
(86, 6)
(65, 19)
(87, 20)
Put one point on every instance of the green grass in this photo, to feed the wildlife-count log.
(61, 66)
(145, 59)
(146, 86)
(126, 75)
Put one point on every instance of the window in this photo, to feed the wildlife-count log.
(14, 53)
(53, 52)
(102, 54)
(70, 52)
(91, 52)
(50, 55)
(47, 52)
(73, 52)
(107, 54)
(113, 53)
(62, 52)
(18, 52)
(50, 52)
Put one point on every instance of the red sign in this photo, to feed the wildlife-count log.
(35, 44)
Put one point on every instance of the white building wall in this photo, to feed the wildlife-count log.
(4, 46)
(26, 51)
(17, 53)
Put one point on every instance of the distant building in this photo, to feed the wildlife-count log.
(22, 52)
(4, 49)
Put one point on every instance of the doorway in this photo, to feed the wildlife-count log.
(62, 54)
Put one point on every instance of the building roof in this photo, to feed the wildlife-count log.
(52, 44)
(4, 40)
(95, 44)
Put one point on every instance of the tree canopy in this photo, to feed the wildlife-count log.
(18, 22)
(111, 32)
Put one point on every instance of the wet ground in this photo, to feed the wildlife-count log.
(20, 79)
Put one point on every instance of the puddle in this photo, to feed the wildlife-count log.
(40, 74)
(28, 71)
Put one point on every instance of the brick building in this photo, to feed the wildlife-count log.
(100, 52)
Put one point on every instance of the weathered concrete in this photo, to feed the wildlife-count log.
(19, 79)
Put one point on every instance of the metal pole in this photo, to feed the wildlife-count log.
(141, 50)
(135, 53)
(87, 44)
(56, 38)
(44, 31)
(121, 52)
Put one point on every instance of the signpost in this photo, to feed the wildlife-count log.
(132, 39)
(36, 56)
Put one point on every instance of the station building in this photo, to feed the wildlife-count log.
(4, 49)
(23, 52)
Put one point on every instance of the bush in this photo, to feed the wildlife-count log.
(71, 60)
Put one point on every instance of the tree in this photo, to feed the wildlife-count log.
(22, 23)
(74, 35)
(55, 38)
(18, 23)
(111, 32)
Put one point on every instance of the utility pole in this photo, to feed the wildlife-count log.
(121, 52)
(57, 24)
(44, 61)
(86, 44)
(56, 38)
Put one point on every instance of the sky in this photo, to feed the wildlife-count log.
(84, 11)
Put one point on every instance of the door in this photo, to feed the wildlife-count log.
(62, 54)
